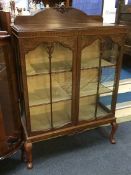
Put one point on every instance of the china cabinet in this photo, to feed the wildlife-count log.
(69, 66)
(10, 124)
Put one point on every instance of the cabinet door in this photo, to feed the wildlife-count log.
(49, 82)
(97, 77)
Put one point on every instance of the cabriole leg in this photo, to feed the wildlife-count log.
(113, 131)
(28, 152)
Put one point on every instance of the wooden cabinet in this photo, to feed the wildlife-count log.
(69, 68)
(10, 125)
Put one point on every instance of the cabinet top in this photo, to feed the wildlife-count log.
(60, 20)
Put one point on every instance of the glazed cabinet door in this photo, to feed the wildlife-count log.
(98, 77)
(49, 72)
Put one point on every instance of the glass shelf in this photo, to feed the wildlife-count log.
(94, 63)
(64, 66)
(87, 89)
(42, 96)
(43, 68)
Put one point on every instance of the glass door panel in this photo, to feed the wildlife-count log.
(89, 79)
(49, 82)
(108, 74)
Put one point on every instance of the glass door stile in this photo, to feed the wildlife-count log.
(49, 81)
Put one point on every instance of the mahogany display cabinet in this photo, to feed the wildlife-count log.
(69, 67)
(10, 124)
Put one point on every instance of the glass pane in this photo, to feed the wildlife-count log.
(61, 58)
(88, 82)
(110, 55)
(90, 55)
(40, 118)
(37, 61)
(61, 86)
(61, 113)
(89, 79)
(38, 90)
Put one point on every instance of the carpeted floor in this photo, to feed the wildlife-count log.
(88, 153)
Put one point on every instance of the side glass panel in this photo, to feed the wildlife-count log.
(49, 81)
(107, 78)
(89, 80)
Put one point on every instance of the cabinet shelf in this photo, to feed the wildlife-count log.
(42, 96)
(43, 68)
(94, 63)
(64, 66)
(88, 89)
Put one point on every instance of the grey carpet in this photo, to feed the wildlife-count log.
(88, 153)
